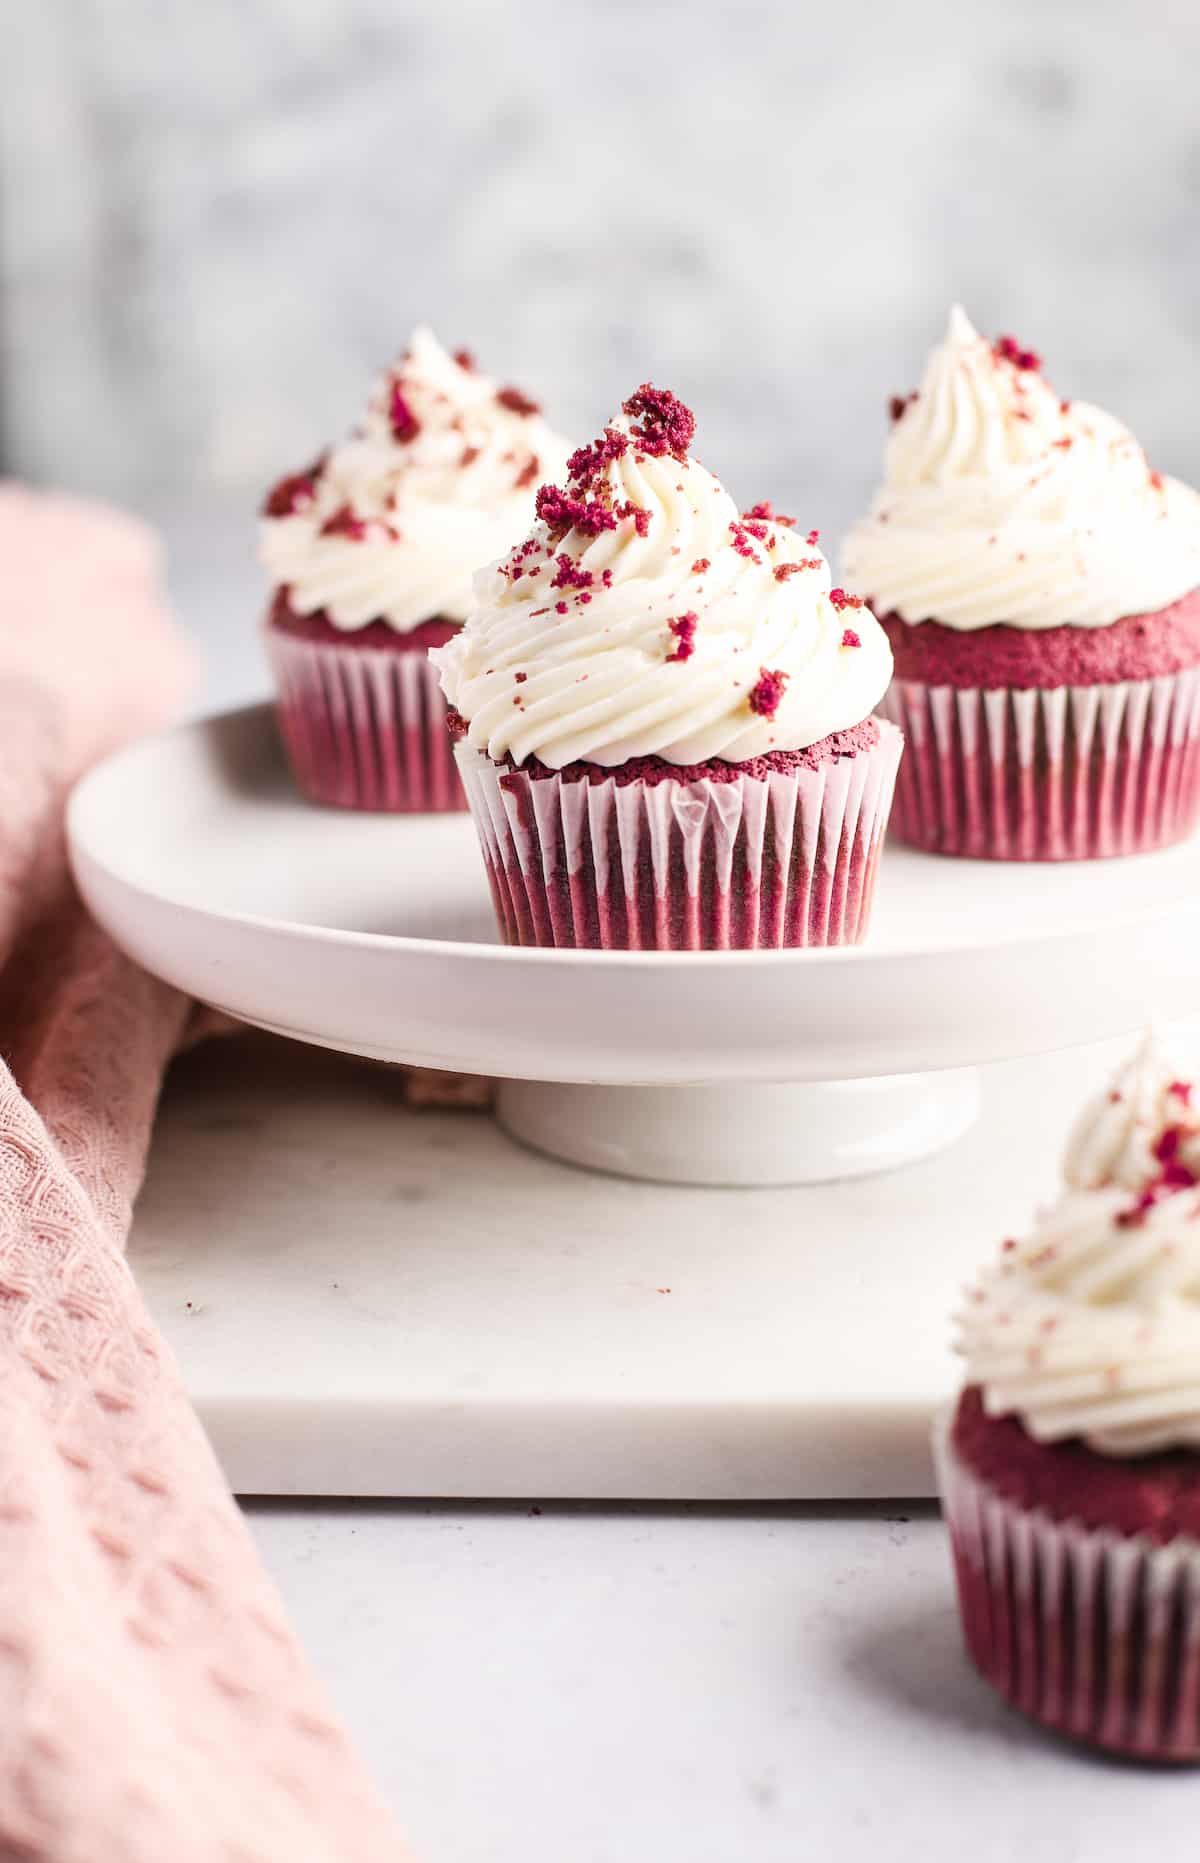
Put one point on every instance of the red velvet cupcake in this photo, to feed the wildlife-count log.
(1040, 587)
(1070, 1473)
(663, 711)
(371, 551)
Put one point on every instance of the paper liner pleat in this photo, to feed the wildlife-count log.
(747, 864)
(1069, 773)
(364, 727)
(1089, 1632)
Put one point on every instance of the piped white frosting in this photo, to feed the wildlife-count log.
(430, 486)
(1003, 503)
(653, 637)
(1090, 1326)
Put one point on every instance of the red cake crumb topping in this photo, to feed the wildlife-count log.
(516, 402)
(560, 608)
(766, 695)
(1156, 480)
(528, 473)
(1182, 1090)
(683, 627)
(570, 575)
(742, 533)
(518, 564)
(765, 512)
(560, 513)
(404, 423)
(343, 523)
(898, 403)
(468, 456)
(293, 493)
(841, 600)
(1007, 349)
(465, 359)
(813, 539)
(700, 565)
(588, 462)
(662, 424)
(850, 638)
(520, 678)
(1173, 1175)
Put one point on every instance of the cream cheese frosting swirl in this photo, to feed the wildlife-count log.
(644, 616)
(392, 524)
(1090, 1327)
(1002, 503)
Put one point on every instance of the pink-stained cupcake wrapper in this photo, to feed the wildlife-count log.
(1068, 773)
(364, 727)
(748, 864)
(1093, 1634)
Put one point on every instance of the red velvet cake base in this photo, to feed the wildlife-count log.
(780, 852)
(1078, 1583)
(362, 716)
(1138, 647)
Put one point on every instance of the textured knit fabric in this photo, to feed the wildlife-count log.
(154, 1704)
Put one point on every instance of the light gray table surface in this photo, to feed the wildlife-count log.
(674, 1685)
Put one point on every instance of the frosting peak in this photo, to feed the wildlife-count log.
(433, 482)
(644, 615)
(1003, 503)
(1091, 1326)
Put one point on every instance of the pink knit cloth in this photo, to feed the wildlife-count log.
(155, 1706)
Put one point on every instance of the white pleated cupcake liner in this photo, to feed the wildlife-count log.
(747, 864)
(1065, 773)
(364, 727)
(1094, 1634)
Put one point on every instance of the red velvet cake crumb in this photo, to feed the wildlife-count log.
(899, 403)
(700, 565)
(850, 638)
(465, 359)
(661, 422)
(1007, 349)
(570, 575)
(683, 627)
(293, 493)
(765, 513)
(516, 402)
(587, 462)
(766, 695)
(1156, 1495)
(842, 601)
(343, 523)
(404, 423)
(560, 513)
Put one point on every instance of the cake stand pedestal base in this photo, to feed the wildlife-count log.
(746, 1134)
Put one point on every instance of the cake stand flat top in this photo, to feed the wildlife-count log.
(374, 934)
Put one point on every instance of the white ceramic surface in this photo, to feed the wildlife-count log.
(366, 1300)
(375, 935)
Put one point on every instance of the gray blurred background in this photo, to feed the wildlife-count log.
(217, 217)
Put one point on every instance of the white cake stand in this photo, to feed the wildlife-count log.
(374, 935)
